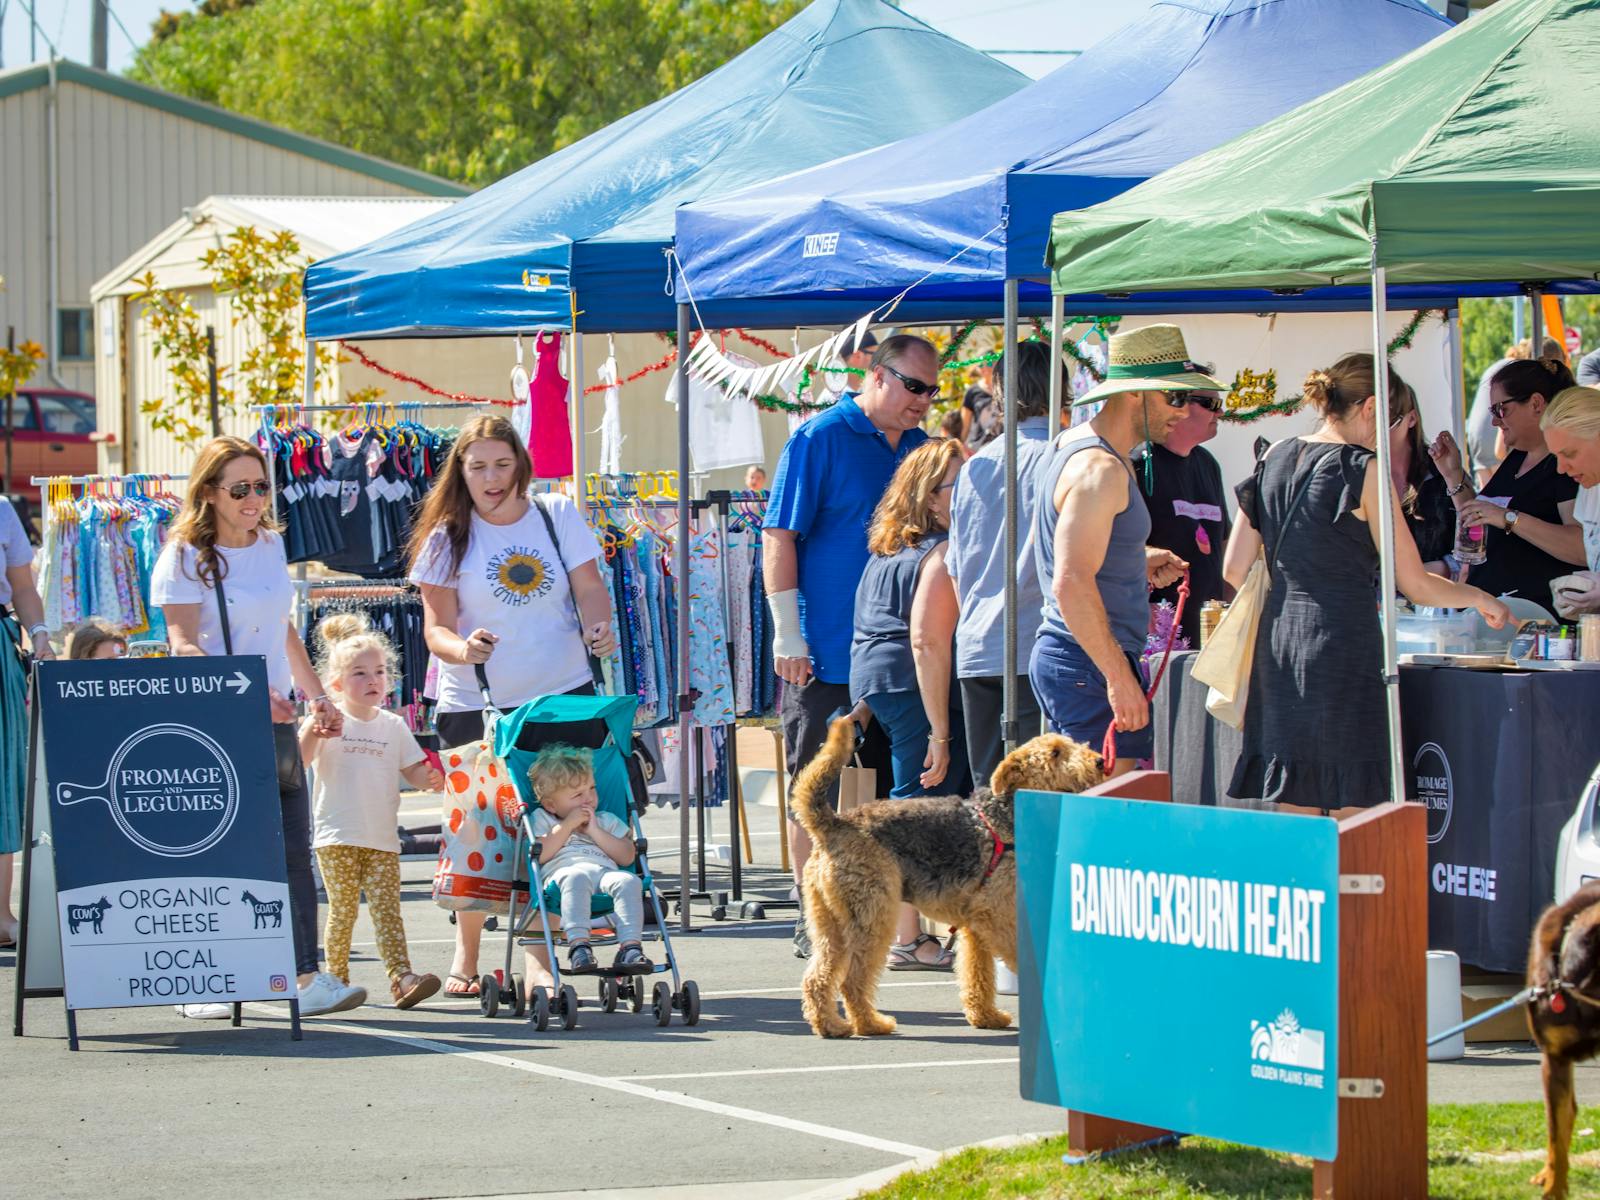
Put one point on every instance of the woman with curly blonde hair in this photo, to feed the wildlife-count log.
(905, 623)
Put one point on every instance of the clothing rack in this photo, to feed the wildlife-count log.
(78, 480)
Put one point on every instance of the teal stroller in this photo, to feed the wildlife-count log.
(603, 725)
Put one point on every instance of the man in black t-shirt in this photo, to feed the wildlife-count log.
(1189, 508)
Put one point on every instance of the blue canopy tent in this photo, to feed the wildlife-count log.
(961, 215)
(576, 241)
(596, 217)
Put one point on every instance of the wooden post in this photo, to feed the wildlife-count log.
(1088, 1133)
(1383, 997)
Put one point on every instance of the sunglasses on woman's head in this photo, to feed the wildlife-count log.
(240, 490)
(915, 386)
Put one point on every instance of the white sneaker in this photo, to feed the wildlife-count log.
(205, 1012)
(325, 994)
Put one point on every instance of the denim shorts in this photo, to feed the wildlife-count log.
(1073, 694)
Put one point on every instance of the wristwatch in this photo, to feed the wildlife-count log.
(1511, 519)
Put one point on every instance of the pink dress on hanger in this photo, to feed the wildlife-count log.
(550, 439)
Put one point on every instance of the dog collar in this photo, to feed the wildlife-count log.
(998, 850)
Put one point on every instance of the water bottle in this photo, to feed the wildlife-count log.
(1470, 549)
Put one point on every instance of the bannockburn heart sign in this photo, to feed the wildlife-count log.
(167, 831)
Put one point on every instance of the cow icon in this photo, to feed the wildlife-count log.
(265, 910)
(93, 915)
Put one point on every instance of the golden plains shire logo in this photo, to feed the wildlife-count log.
(517, 576)
(534, 282)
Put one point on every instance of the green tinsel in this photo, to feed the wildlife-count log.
(1403, 339)
(1244, 416)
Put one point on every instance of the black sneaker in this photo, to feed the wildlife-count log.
(580, 958)
(802, 938)
(631, 957)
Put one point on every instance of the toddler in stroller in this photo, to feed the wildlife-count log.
(584, 851)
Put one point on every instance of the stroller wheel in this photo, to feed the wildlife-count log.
(569, 1007)
(488, 995)
(661, 1003)
(608, 994)
(541, 1009)
(690, 1002)
(519, 998)
(636, 993)
(719, 913)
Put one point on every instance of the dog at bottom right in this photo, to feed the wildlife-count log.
(1564, 1017)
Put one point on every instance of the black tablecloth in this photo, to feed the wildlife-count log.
(1499, 757)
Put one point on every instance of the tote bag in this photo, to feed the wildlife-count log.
(478, 832)
(1224, 662)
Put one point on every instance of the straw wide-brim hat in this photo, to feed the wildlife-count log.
(1152, 359)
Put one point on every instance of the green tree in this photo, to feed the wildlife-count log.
(1486, 331)
(469, 89)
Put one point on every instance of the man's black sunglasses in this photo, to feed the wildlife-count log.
(915, 386)
(1206, 400)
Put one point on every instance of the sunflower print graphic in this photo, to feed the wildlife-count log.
(518, 575)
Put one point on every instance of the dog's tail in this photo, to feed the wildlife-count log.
(809, 798)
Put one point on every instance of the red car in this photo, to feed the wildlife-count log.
(51, 436)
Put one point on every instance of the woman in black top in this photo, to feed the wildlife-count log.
(1530, 534)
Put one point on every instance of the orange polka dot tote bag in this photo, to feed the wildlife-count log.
(481, 814)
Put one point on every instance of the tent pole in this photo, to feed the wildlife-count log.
(1058, 304)
(1391, 669)
(685, 705)
(1458, 383)
(576, 384)
(1536, 331)
(1008, 385)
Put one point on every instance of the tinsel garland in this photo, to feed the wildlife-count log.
(458, 397)
(1403, 339)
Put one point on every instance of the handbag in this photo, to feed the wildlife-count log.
(1224, 662)
(285, 737)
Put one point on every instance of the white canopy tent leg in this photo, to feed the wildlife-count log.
(681, 383)
(578, 424)
(1386, 572)
(1008, 384)
(1058, 304)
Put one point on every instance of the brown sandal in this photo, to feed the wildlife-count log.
(412, 989)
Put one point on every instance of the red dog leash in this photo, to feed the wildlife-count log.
(1108, 752)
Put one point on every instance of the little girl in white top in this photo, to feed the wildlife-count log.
(355, 801)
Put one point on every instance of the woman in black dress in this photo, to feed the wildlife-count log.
(1315, 730)
(1530, 533)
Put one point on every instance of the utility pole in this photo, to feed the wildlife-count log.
(100, 10)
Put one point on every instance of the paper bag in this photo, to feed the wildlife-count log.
(857, 786)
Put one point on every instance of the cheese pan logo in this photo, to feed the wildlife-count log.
(171, 790)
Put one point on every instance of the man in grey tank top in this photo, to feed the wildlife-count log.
(1090, 534)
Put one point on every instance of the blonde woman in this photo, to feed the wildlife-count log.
(1572, 432)
(222, 583)
(905, 623)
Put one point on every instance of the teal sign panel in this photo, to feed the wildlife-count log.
(1179, 967)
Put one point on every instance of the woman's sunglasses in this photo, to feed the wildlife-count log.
(240, 490)
(1497, 411)
(915, 386)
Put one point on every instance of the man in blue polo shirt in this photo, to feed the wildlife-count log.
(831, 475)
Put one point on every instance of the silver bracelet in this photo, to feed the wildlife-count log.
(1450, 492)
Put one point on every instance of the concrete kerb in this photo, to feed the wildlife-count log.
(848, 1189)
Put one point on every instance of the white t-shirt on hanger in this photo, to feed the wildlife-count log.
(259, 595)
(510, 582)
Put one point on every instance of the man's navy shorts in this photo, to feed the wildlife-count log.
(1073, 695)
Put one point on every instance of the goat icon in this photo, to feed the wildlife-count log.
(266, 910)
(94, 914)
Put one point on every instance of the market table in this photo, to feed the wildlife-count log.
(1499, 757)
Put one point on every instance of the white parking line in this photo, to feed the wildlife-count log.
(772, 991)
(582, 1078)
(894, 1066)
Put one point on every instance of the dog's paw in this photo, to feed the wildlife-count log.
(989, 1018)
(876, 1025)
(1549, 1186)
(829, 1025)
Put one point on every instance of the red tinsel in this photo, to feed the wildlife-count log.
(661, 364)
(458, 397)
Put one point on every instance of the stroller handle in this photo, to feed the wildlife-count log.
(483, 685)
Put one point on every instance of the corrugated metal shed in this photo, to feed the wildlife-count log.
(121, 160)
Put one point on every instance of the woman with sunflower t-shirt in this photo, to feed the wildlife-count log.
(494, 592)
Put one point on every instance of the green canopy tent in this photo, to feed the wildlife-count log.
(1473, 162)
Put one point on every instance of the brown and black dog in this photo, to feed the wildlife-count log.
(946, 856)
(1564, 1015)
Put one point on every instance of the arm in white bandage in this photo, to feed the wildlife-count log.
(787, 640)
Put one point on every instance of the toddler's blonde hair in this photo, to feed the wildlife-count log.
(345, 635)
(560, 766)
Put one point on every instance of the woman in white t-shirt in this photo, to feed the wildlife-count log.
(224, 552)
(497, 590)
(20, 608)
